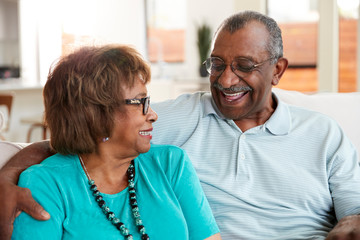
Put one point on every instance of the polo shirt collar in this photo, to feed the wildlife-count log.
(280, 121)
(210, 107)
(278, 124)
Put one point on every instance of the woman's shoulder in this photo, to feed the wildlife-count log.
(58, 161)
(165, 149)
(53, 165)
(163, 155)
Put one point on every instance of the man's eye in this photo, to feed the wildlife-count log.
(244, 68)
(217, 67)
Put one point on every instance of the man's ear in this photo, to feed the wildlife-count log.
(279, 70)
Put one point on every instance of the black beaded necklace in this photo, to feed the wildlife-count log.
(109, 214)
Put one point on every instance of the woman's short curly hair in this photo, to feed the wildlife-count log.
(84, 90)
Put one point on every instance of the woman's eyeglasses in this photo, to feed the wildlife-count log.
(144, 101)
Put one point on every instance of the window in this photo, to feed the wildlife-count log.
(166, 22)
(9, 40)
(299, 26)
(77, 26)
(348, 18)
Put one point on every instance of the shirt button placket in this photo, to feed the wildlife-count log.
(242, 139)
(242, 172)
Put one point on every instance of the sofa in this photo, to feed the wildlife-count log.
(343, 107)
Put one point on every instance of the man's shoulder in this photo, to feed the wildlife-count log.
(178, 118)
(312, 121)
(184, 102)
(300, 109)
(306, 113)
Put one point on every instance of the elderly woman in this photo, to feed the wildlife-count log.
(106, 180)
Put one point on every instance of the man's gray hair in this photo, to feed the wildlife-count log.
(239, 20)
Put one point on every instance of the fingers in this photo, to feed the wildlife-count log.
(13, 200)
(6, 220)
(7, 210)
(348, 228)
(354, 235)
(5, 231)
(27, 204)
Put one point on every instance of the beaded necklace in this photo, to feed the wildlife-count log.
(133, 203)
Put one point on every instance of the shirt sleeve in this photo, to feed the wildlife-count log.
(196, 209)
(344, 177)
(45, 191)
(174, 113)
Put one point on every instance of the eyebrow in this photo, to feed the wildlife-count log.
(237, 57)
(247, 58)
(141, 95)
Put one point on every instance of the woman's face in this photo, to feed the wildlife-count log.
(133, 130)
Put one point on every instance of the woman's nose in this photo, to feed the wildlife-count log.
(152, 115)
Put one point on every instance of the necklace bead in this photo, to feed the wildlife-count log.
(145, 237)
(133, 204)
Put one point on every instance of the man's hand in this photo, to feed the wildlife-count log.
(348, 228)
(13, 200)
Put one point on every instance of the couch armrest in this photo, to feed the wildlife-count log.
(9, 149)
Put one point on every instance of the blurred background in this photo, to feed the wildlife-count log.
(320, 41)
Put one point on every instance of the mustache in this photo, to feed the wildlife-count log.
(233, 88)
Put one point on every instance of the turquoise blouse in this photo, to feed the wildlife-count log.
(170, 198)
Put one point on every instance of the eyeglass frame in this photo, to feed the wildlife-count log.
(144, 101)
(251, 69)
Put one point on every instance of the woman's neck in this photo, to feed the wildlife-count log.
(108, 170)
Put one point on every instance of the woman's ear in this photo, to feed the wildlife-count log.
(280, 68)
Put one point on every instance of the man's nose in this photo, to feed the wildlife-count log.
(228, 78)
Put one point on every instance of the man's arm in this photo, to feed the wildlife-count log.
(15, 199)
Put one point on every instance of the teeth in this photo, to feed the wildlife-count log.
(145, 133)
(233, 94)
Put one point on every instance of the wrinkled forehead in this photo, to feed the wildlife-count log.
(249, 41)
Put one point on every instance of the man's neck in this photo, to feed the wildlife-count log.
(258, 119)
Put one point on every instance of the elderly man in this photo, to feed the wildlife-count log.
(269, 170)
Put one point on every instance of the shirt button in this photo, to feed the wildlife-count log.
(243, 137)
(242, 156)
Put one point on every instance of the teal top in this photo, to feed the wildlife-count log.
(171, 201)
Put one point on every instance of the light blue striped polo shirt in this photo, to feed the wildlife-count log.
(290, 178)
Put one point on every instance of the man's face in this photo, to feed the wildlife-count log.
(245, 95)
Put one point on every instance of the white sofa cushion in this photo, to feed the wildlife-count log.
(343, 107)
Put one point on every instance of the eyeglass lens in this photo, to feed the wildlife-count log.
(146, 105)
(215, 66)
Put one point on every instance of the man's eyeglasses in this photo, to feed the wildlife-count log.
(215, 66)
(144, 101)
